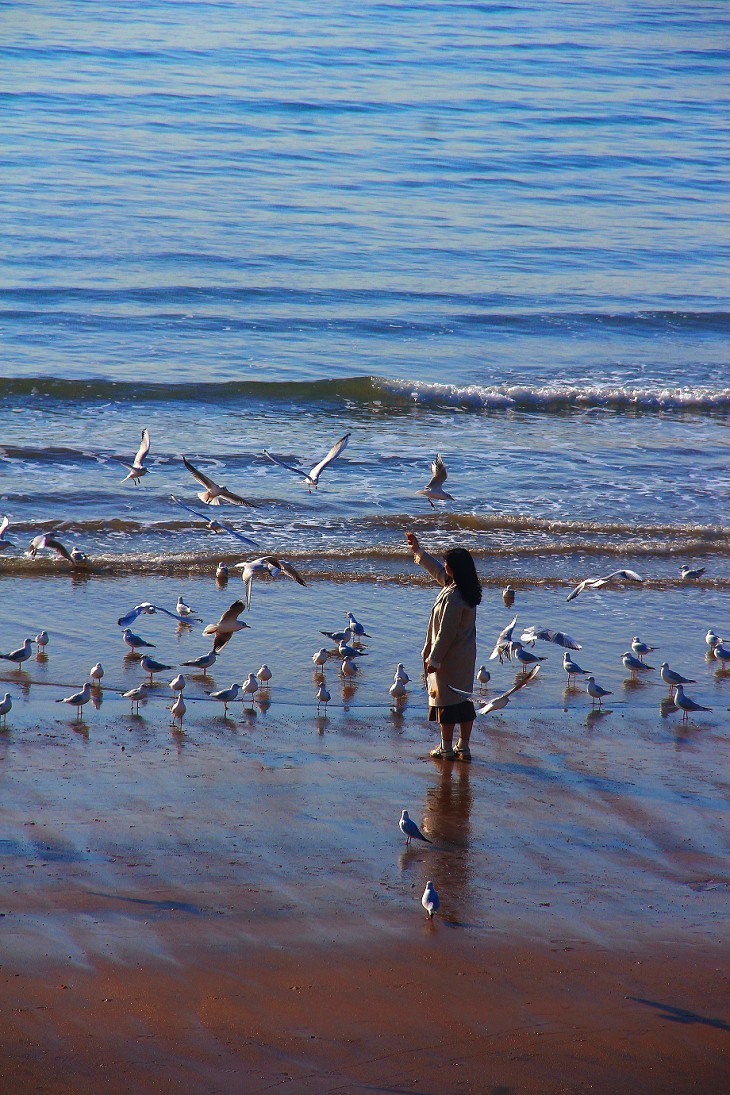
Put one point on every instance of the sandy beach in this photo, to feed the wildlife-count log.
(231, 907)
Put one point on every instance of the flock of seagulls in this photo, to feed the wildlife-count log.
(348, 642)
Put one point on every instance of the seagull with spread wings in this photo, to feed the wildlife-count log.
(48, 542)
(213, 492)
(4, 542)
(137, 468)
(213, 524)
(267, 564)
(434, 489)
(311, 478)
(227, 626)
(614, 578)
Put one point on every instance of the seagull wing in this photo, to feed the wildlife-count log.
(167, 612)
(3, 526)
(199, 475)
(234, 498)
(234, 532)
(195, 512)
(337, 448)
(438, 473)
(521, 683)
(504, 636)
(288, 569)
(283, 464)
(549, 636)
(56, 545)
(230, 616)
(578, 589)
(622, 575)
(143, 449)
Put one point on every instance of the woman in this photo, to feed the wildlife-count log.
(450, 650)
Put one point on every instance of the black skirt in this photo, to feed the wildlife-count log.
(455, 712)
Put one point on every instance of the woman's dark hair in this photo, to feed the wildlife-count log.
(465, 575)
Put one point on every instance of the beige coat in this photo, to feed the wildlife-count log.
(451, 639)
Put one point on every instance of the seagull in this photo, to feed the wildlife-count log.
(144, 609)
(225, 696)
(484, 677)
(323, 697)
(348, 668)
(346, 651)
(398, 690)
(633, 664)
(434, 489)
(136, 695)
(311, 478)
(525, 657)
(250, 687)
(96, 673)
(215, 525)
(357, 629)
(595, 691)
(501, 647)
(227, 626)
(411, 831)
(267, 564)
(177, 683)
(4, 542)
(608, 579)
(338, 637)
(185, 612)
(572, 668)
(320, 658)
(721, 651)
(78, 699)
(151, 665)
(221, 573)
(712, 639)
(48, 542)
(41, 641)
(214, 492)
(178, 708)
(204, 662)
(532, 634)
(137, 468)
(686, 703)
(430, 900)
(688, 573)
(640, 649)
(500, 702)
(134, 642)
(508, 596)
(21, 654)
(400, 674)
(672, 678)
(5, 705)
(264, 675)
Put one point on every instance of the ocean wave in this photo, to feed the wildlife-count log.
(381, 394)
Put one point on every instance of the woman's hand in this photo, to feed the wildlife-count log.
(413, 543)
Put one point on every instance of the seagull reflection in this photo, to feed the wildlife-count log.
(667, 706)
(596, 714)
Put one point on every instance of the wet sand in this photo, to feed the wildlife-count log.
(233, 908)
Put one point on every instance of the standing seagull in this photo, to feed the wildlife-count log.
(41, 642)
(204, 662)
(151, 665)
(96, 673)
(178, 708)
(5, 543)
(508, 596)
(688, 573)
(227, 626)
(410, 830)
(22, 654)
(357, 629)
(185, 612)
(615, 577)
(135, 696)
(595, 691)
(225, 696)
(250, 687)
(430, 900)
(323, 697)
(434, 489)
(687, 704)
(634, 664)
(672, 678)
(137, 468)
(5, 705)
(640, 649)
(78, 699)
(311, 478)
(135, 642)
(213, 492)
(572, 668)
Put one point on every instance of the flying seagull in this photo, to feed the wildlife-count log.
(227, 626)
(532, 634)
(311, 478)
(608, 579)
(501, 701)
(213, 524)
(213, 491)
(434, 489)
(137, 468)
(270, 564)
(48, 542)
(4, 542)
